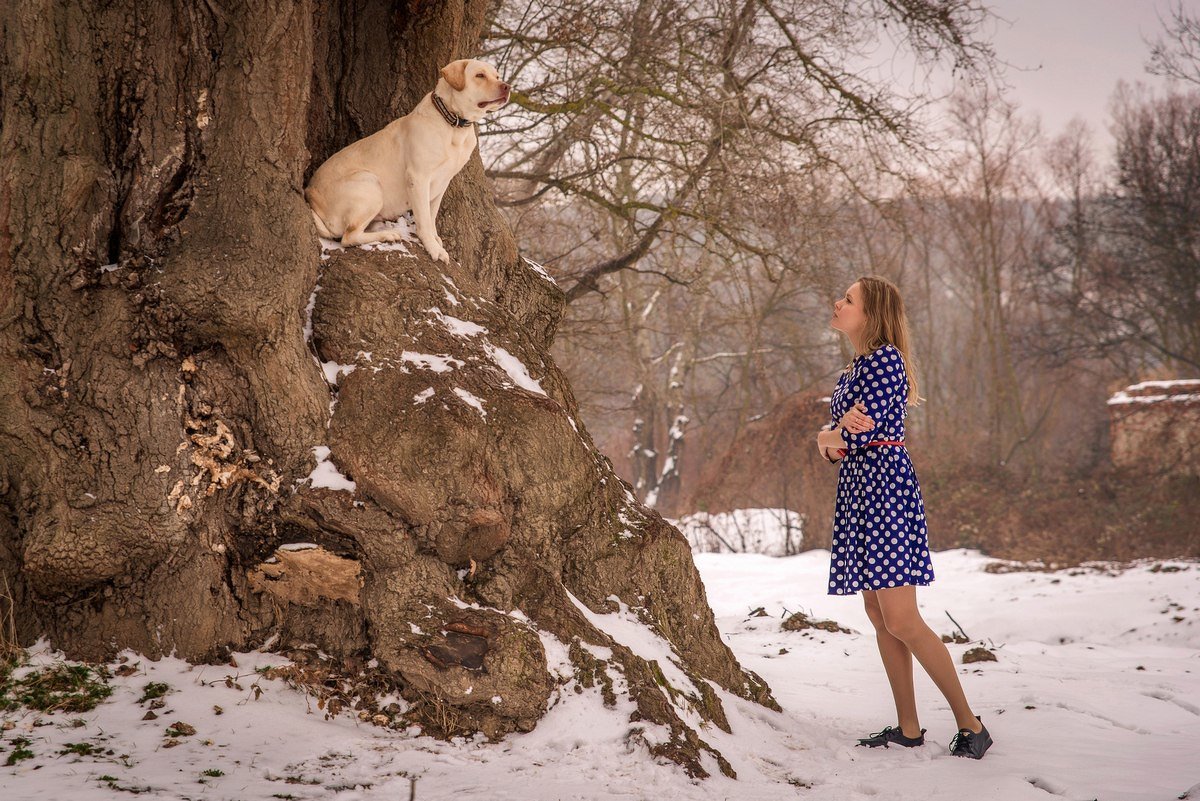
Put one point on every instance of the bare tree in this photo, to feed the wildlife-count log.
(693, 100)
(1153, 224)
(986, 205)
(1125, 270)
(690, 137)
(1178, 55)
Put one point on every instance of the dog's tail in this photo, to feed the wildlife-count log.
(314, 201)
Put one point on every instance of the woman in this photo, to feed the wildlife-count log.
(880, 545)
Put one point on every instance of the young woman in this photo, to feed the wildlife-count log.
(880, 545)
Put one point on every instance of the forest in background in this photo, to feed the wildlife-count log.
(1043, 270)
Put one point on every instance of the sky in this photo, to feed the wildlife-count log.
(1065, 57)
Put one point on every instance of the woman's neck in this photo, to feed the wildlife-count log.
(858, 344)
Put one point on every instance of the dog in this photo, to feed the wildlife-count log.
(408, 164)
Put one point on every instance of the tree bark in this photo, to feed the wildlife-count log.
(162, 399)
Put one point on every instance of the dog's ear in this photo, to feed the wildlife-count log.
(455, 74)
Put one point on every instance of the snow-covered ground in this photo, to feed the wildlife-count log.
(1096, 695)
(774, 532)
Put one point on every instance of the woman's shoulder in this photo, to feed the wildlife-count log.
(883, 365)
(887, 348)
(884, 355)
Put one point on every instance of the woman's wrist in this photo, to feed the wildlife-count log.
(831, 438)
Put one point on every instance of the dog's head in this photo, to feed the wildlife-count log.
(472, 88)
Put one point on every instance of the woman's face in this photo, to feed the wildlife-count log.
(848, 314)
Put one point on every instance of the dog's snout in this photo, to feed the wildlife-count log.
(505, 87)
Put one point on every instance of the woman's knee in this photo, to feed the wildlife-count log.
(904, 627)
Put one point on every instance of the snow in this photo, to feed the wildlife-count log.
(514, 367)
(540, 270)
(471, 400)
(423, 395)
(624, 627)
(404, 225)
(457, 327)
(326, 474)
(507, 362)
(437, 363)
(1096, 695)
(1124, 397)
(775, 532)
(334, 371)
(298, 546)
(308, 313)
(1178, 382)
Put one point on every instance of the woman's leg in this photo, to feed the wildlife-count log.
(897, 663)
(904, 622)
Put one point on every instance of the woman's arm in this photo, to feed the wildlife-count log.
(830, 441)
(856, 419)
(881, 388)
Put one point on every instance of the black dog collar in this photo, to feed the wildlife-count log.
(448, 115)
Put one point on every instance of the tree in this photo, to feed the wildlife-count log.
(180, 367)
(985, 208)
(1178, 55)
(661, 112)
(1153, 225)
(680, 143)
(1125, 271)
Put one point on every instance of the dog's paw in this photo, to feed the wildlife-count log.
(437, 252)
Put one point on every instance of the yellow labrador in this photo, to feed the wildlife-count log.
(408, 164)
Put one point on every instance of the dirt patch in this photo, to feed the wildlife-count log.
(979, 654)
(800, 621)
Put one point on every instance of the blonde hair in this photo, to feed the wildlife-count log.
(886, 324)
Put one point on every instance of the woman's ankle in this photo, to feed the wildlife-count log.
(973, 724)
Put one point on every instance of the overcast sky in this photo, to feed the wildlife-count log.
(1066, 56)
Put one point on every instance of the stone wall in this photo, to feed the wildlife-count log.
(1156, 425)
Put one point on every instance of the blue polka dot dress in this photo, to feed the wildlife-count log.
(879, 534)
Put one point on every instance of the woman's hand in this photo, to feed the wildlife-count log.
(829, 443)
(856, 420)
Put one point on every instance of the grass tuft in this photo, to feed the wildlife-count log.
(56, 688)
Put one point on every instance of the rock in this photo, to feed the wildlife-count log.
(180, 729)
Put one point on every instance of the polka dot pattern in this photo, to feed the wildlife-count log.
(879, 534)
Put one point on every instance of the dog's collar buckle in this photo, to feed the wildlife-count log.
(448, 115)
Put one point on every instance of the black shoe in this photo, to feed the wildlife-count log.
(969, 744)
(891, 734)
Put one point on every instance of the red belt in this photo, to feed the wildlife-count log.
(843, 451)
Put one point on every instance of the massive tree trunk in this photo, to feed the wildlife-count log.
(164, 310)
